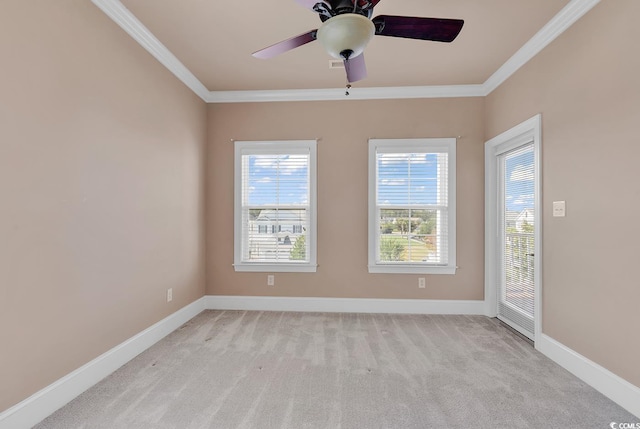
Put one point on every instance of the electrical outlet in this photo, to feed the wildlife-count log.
(169, 294)
(559, 209)
(271, 280)
(421, 282)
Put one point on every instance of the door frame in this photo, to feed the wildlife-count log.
(527, 130)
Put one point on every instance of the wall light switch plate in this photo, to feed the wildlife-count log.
(559, 209)
(169, 294)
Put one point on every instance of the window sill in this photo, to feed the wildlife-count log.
(275, 268)
(411, 269)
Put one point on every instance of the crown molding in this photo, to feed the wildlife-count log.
(115, 10)
(330, 94)
(564, 19)
(571, 13)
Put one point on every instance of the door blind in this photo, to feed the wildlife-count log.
(519, 221)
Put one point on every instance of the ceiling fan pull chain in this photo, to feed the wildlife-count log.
(348, 84)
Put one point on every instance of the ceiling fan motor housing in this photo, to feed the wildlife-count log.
(345, 36)
(327, 9)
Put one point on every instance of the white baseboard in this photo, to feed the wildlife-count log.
(612, 386)
(43, 403)
(343, 305)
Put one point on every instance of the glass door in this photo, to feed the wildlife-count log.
(516, 244)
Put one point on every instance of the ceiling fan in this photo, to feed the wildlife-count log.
(347, 28)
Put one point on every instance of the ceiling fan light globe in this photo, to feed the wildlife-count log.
(347, 32)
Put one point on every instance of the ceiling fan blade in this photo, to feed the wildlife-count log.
(436, 29)
(285, 45)
(368, 4)
(356, 68)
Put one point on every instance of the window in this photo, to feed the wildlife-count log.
(412, 218)
(275, 206)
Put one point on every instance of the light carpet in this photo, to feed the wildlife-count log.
(237, 369)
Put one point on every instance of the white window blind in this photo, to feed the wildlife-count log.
(275, 206)
(518, 198)
(412, 206)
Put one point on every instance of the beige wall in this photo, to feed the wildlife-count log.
(586, 86)
(344, 129)
(101, 191)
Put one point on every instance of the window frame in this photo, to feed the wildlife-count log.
(419, 145)
(292, 147)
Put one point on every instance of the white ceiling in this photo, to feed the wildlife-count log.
(208, 43)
